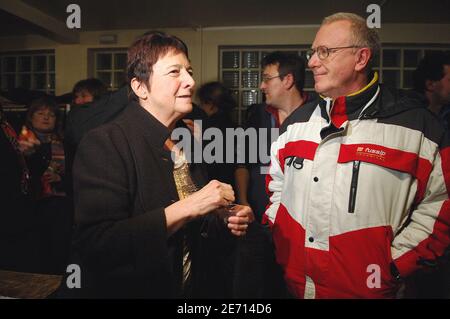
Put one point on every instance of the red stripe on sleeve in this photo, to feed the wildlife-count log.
(435, 244)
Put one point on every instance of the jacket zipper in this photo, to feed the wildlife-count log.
(353, 187)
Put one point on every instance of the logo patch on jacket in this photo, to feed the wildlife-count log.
(371, 152)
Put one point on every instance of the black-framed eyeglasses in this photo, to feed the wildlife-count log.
(323, 52)
(266, 79)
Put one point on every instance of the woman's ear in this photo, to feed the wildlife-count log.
(139, 88)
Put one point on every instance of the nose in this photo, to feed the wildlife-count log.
(314, 61)
(188, 79)
(262, 86)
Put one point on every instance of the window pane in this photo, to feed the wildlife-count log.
(52, 81)
(120, 61)
(230, 60)
(9, 64)
(27, 70)
(250, 60)
(391, 78)
(391, 58)
(40, 63)
(430, 51)
(105, 77)
(40, 81)
(119, 79)
(24, 81)
(250, 79)
(408, 79)
(51, 63)
(24, 64)
(411, 58)
(235, 94)
(264, 54)
(104, 61)
(230, 79)
(249, 97)
(309, 80)
(8, 81)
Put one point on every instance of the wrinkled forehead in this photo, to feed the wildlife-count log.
(333, 34)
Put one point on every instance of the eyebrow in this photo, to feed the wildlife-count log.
(180, 66)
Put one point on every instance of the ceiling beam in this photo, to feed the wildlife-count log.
(52, 27)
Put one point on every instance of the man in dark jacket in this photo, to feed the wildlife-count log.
(432, 79)
(282, 83)
(83, 118)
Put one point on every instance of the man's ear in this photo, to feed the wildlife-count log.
(362, 58)
(288, 80)
(139, 88)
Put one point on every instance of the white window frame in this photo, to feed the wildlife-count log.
(49, 73)
(112, 71)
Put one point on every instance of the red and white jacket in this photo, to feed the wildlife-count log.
(354, 198)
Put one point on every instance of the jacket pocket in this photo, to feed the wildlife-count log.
(353, 187)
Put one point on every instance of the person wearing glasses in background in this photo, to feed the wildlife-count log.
(359, 182)
(282, 83)
(283, 79)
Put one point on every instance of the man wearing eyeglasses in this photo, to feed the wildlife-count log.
(368, 202)
(282, 83)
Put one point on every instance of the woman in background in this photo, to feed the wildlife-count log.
(42, 145)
